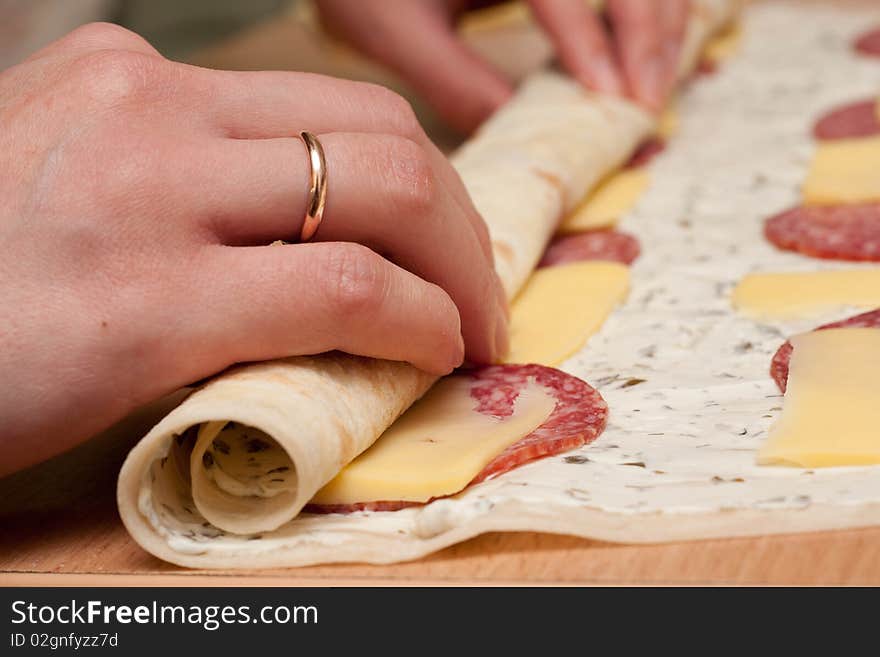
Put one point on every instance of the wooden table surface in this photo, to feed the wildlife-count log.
(60, 527)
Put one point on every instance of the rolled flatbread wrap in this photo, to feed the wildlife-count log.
(243, 454)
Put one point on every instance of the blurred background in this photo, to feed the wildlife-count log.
(175, 27)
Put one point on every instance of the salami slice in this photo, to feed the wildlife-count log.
(854, 120)
(578, 418)
(647, 151)
(782, 357)
(705, 67)
(869, 43)
(837, 232)
(592, 245)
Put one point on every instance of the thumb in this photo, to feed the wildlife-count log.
(463, 88)
(416, 39)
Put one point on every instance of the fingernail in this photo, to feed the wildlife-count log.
(651, 84)
(455, 355)
(459, 353)
(604, 76)
(502, 338)
(503, 303)
(672, 57)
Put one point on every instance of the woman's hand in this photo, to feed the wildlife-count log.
(137, 200)
(635, 53)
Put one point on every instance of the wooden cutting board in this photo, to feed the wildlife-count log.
(60, 527)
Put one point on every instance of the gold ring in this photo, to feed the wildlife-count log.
(317, 186)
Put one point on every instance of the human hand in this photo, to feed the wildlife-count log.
(139, 198)
(635, 53)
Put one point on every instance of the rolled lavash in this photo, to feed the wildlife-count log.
(529, 164)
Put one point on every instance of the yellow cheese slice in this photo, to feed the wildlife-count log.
(667, 124)
(805, 294)
(831, 412)
(561, 307)
(724, 45)
(844, 171)
(609, 201)
(437, 447)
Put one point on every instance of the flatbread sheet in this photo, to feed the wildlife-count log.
(536, 158)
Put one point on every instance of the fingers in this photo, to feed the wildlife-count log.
(463, 88)
(269, 104)
(260, 104)
(644, 56)
(647, 42)
(581, 43)
(416, 39)
(673, 25)
(269, 302)
(382, 192)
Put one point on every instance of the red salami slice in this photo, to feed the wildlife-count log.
(579, 417)
(647, 151)
(850, 121)
(838, 232)
(869, 43)
(592, 245)
(782, 357)
(705, 67)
